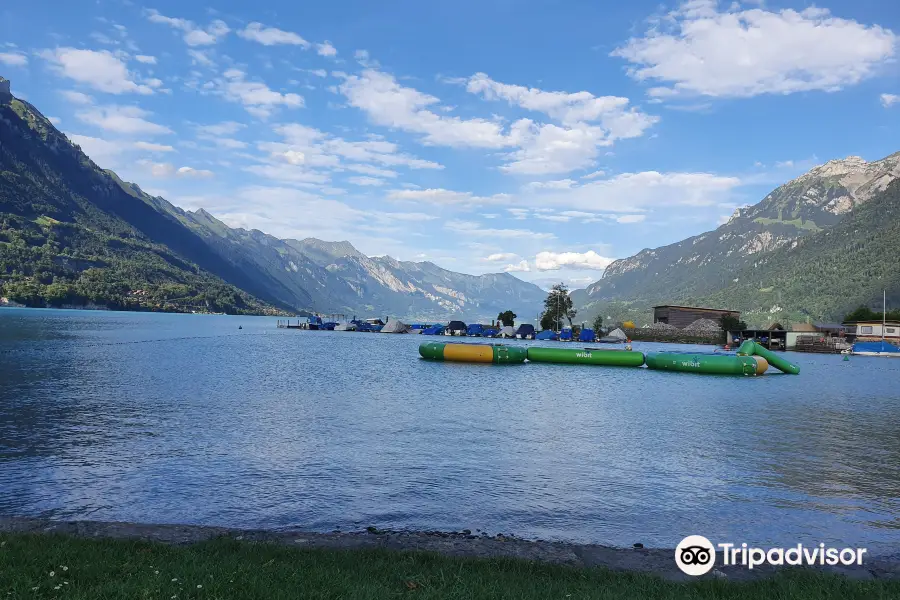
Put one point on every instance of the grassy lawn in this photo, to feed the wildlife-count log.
(71, 568)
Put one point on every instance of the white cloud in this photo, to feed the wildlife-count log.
(121, 119)
(446, 197)
(102, 152)
(13, 59)
(635, 192)
(201, 57)
(164, 170)
(258, 99)
(101, 70)
(520, 267)
(318, 72)
(560, 184)
(270, 36)
(193, 34)
(223, 128)
(587, 121)
(390, 104)
(326, 49)
(701, 50)
(631, 218)
(77, 97)
(150, 146)
(500, 257)
(54, 120)
(888, 100)
(146, 59)
(475, 230)
(552, 261)
(554, 218)
(366, 181)
(594, 175)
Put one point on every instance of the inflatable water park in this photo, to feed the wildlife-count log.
(750, 358)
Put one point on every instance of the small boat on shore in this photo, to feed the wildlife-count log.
(881, 348)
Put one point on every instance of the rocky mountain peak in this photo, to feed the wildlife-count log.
(5, 93)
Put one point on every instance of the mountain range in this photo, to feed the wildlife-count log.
(814, 248)
(72, 233)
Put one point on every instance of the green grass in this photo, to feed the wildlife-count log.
(103, 569)
(799, 224)
(45, 221)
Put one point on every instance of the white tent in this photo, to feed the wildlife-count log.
(507, 332)
(618, 334)
(395, 326)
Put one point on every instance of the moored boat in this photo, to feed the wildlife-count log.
(881, 348)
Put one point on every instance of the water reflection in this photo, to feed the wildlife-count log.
(171, 418)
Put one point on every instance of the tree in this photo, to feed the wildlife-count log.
(557, 306)
(730, 323)
(507, 317)
(598, 323)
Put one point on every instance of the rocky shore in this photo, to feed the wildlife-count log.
(656, 561)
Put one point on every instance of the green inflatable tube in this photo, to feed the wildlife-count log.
(714, 364)
(751, 348)
(586, 356)
(498, 354)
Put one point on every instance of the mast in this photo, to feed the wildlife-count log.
(883, 312)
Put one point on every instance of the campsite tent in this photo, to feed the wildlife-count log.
(615, 336)
(507, 332)
(395, 326)
(547, 334)
(586, 335)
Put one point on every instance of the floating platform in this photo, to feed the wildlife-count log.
(713, 364)
(498, 354)
(586, 356)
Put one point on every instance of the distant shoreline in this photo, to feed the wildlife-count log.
(655, 561)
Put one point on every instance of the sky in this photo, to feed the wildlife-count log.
(540, 138)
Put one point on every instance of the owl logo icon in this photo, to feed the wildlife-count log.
(695, 555)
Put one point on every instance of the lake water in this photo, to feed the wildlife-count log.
(187, 419)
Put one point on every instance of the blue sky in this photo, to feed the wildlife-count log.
(541, 138)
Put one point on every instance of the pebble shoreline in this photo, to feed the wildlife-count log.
(656, 561)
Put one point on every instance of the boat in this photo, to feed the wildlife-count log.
(586, 356)
(506, 332)
(525, 332)
(328, 325)
(345, 327)
(566, 334)
(881, 348)
(394, 326)
(586, 335)
(498, 354)
(455, 328)
(547, 334)
(434, 330)
(490, 332)
(475, 330)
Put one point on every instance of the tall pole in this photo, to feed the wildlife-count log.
(883, 312)
(558, 321)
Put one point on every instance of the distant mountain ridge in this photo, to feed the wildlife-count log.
(702, 268)
(80, 215)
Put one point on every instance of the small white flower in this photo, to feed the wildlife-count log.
(174, 579)
(52, 573)
(157, 572)
(34, 589)
(199, 586)
(56, 587)
(64, 568)
(65, 583)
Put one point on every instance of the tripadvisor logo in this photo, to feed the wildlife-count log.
(695, 555)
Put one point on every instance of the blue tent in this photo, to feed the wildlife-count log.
(525, 332)
(490, 332)
(586, 335)
(547, 334)
(434, 330)
(566, 335)
(475, 329)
